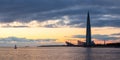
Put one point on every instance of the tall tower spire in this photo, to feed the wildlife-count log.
(88, 31)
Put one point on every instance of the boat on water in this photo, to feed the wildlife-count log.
(15, 47)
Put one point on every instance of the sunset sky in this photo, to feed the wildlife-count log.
(46, 22)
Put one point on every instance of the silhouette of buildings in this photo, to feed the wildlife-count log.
(88, 42)
(80, 43)
(69, 43)
(88, 32)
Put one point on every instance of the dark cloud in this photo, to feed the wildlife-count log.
(116, 34)
(23, 40)
(10, 41)
(106, 23)
(97, 36)
(44, 10)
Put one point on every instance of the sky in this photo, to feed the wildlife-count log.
(49, 22)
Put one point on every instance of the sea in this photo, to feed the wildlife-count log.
(59, 53)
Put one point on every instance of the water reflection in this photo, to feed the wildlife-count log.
(88, 54)
(60, 53)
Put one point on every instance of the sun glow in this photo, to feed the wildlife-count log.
(61, 34)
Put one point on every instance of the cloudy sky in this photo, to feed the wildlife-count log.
(59, 19)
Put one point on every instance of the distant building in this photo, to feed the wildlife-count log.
(88, 42)
(69, 43)
(88, 32)
(80, 43)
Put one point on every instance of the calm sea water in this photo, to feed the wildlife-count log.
(60, 53)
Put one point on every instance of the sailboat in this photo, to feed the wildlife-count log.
(15, 47)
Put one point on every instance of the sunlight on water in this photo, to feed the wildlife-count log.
(60, 53)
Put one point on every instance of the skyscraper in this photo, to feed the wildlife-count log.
(88, 31)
